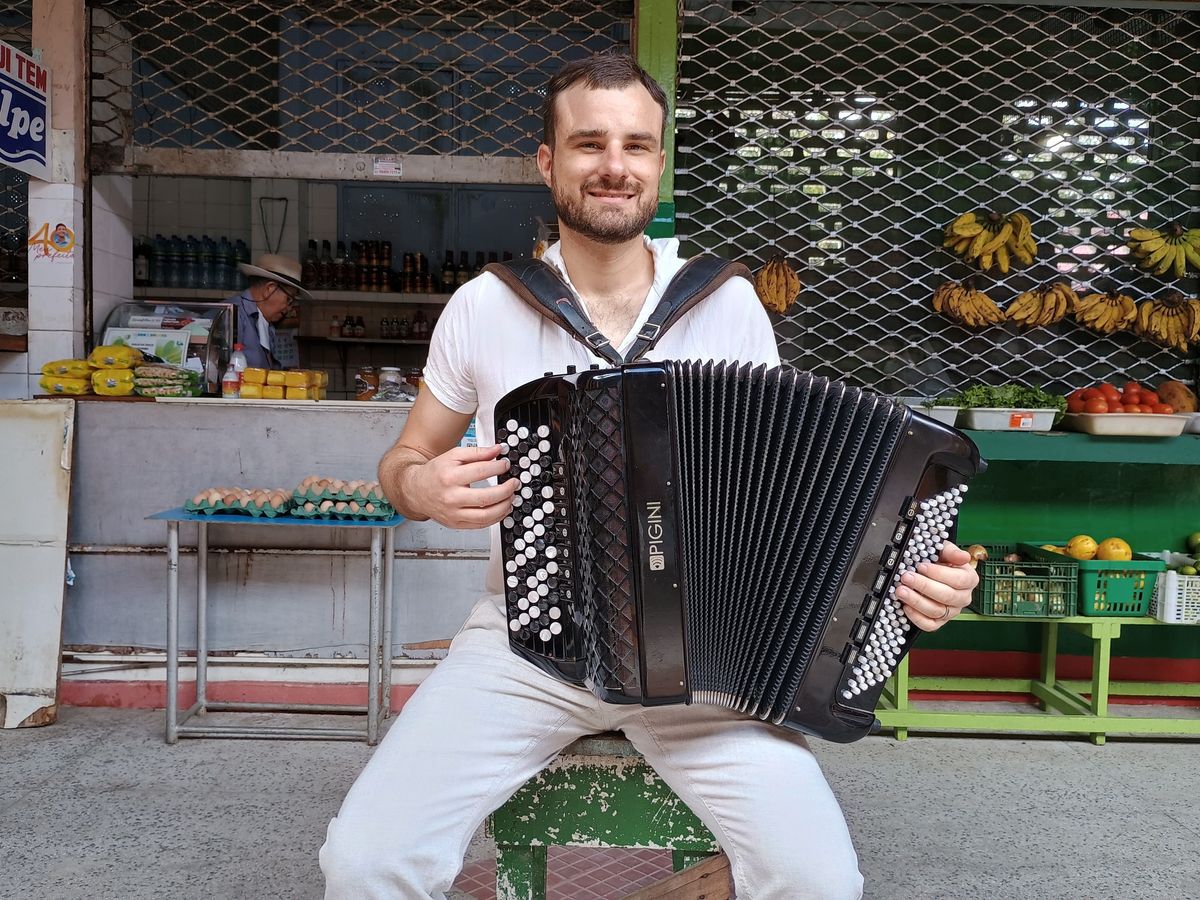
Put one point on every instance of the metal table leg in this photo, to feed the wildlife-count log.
(375, 657)
(389, 559)
(172, 632)
(201, 616)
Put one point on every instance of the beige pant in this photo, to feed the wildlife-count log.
(485, 721)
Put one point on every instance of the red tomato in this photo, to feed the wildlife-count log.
(1131, 408)
(1145, 407)
(1075, 403)
(1095, 405)
(1090, 394)
(1164, 408)
(1109, 391)
(1149, 397)
(1132, 386)
(1114, 406)
(1128, 396)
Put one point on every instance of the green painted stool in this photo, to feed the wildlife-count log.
(600, 792)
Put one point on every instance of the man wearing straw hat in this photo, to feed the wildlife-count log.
(273, 292)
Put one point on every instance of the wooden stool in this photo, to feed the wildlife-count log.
(598, 793)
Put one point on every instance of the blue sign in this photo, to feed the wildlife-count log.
(24, 113)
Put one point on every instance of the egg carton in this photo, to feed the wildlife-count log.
(241, 501)
(349, 509)
(317, 490)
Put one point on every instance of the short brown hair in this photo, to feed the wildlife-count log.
(601, 71)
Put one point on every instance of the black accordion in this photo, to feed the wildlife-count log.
(699, 532)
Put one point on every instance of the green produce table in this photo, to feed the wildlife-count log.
(1064, 708)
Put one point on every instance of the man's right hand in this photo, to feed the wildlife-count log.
(441, 488)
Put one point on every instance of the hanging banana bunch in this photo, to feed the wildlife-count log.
(965, 305)
(777, 285)
(1172, 250)
(1169, 320)
(1106, 313)
(1039, 308)
(992, 241)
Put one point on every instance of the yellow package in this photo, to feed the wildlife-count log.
(61, 384)
(251, 391)
(322, 378)
(301, 393)
(114, 356)
(272, 392)
(321, 393)
(276, 376)
(296, 378)
(72, 368)
(113, 382)
(254, 375)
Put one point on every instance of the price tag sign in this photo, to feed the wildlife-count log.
(1020, 420)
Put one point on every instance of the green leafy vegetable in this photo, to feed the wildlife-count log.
(1007, 396)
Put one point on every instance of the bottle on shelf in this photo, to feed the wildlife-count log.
(394, 327)
(335, 327)
(449, 273)
(341, 280)
(348, 326)
(464, 269)
(141, 262)
(360, 327)
(158, 262)
(385, 327)
(206, 268)
(420, 325)
(241, 255)
(175, 262)
(310, 265)
(226, 265)
(405, 329)
(325, 269)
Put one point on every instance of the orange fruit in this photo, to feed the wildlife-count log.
(1114, 548)
(1082, 546)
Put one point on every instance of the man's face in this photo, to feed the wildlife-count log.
(607, 159)
(277, 300)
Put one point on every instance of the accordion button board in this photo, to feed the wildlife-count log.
(700, 532)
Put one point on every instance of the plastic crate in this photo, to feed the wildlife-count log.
(1176, 597)
(1025, 589)
(1108, 587)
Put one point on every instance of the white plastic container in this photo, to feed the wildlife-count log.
(992, 419)
(1192, 425)
(1176, 598)
(948, 415)
(1125, 424)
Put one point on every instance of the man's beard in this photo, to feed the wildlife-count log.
(604, 226)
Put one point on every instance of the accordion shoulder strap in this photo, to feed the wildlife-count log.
(542, 288)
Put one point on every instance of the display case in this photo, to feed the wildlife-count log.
(196, 334)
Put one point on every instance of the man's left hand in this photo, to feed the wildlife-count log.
(937, 592)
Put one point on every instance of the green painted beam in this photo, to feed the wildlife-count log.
(1035, 721)
(656, 43)
(1063, 446)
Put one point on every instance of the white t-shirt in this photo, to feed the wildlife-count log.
(488, 341)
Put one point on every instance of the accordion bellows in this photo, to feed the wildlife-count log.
(698, 532)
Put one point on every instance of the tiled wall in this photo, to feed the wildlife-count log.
(112, 256)
(218, 207)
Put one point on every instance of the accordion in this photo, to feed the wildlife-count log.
(700, 532)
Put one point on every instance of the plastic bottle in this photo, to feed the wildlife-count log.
(158, 262)
(226, 265)
(241, 255)
(141, 262)
(191, 263)
(175, 262)
(335, 327)
(231, 383)
(206, 270)
(237, 361)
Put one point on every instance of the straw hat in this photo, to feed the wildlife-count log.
(276, 267)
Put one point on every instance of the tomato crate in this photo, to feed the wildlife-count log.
(1031, 588)
(1107, 587)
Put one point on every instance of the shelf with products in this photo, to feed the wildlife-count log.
(318, 296)
(361, 340)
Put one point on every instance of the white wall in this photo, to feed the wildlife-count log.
(218, 207)
(112, 247)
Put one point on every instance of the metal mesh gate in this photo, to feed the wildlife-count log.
(451, 78)
(849, 134)
(16, 25)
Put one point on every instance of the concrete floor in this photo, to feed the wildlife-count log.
(98, 806)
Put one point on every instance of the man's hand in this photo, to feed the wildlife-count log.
(937, 592)
(441, 488)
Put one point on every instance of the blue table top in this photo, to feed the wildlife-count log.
(179, 514)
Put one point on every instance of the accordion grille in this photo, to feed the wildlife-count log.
(781, 470)
(604, 563)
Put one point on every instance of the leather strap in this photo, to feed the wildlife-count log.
(542, 288)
